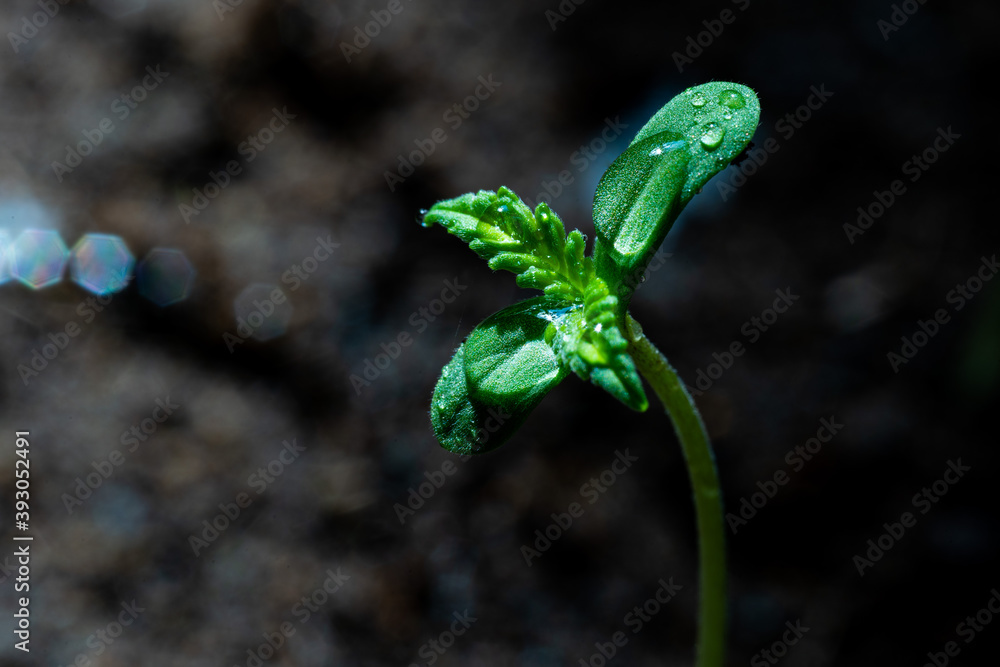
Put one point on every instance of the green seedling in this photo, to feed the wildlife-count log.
(580, 324)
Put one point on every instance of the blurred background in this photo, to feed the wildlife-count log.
(221, 325)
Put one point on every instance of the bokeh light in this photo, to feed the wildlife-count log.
(262, 312)
(4, 257)
(18, 213)
(101, 263)
(38, 258)
(165, 276)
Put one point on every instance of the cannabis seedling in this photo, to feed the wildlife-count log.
(581, 323)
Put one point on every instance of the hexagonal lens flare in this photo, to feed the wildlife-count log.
(38, 258)
(262, 312)
(101, 263)
(165, 276)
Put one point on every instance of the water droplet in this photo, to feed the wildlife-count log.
(642, 278)
(420, 215)
(441, 406)
(698, 100)
(728, 116)
(732, 99)
(712, 137)
(666, 148)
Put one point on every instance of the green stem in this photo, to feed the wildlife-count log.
(705, 482)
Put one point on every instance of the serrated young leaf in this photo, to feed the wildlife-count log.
(501, 229)
(515, 262)
(621, 380)
(552, 227)
(586, 339)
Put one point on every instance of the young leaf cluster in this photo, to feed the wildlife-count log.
(517, 355)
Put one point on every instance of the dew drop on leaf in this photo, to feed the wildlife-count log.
(712, 137)
(698, 100)
(663, 149)
(420, 215)
(732, 99)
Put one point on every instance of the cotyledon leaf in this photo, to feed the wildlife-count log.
(693, 137)
(508, 362)
(495, 379)
(463, 424)
(634, 204)
(717, 121)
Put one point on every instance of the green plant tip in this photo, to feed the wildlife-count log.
(516, 356)
(580, 324)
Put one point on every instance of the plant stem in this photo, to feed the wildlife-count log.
(705, 483)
